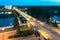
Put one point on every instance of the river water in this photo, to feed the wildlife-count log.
(6, 21)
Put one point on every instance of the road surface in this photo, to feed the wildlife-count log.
(5, 35)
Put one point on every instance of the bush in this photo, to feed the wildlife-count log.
(12, 36)
(26, 33)
(23, 34)
(55, 24)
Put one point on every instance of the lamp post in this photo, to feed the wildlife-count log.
(3, 32)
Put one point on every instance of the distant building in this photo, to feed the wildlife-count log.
(55, 19)
(8, 6)
(55, 11)
(24, 9)
(1, 12)
(8, 12)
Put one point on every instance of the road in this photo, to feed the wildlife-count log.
(40, 25)
(5, 35)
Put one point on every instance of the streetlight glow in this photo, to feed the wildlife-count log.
(3, 28)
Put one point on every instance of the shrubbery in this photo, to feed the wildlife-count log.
(23, 34)
(55, 24)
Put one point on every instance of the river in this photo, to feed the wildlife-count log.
(6, 21)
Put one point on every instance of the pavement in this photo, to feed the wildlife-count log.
(5, 35)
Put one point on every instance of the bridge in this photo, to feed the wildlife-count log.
(44, 29)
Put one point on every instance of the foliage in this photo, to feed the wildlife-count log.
(41, 12)
(23, 27)
(55, 24)
(22, 34)
(6, 15)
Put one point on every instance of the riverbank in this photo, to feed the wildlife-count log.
(6, 15)
(7, 28)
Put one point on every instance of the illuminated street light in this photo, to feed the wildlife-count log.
(3, 29)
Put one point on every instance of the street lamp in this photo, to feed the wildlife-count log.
(3, 32)
(3, 29)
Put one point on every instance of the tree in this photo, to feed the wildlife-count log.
(16, 24)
